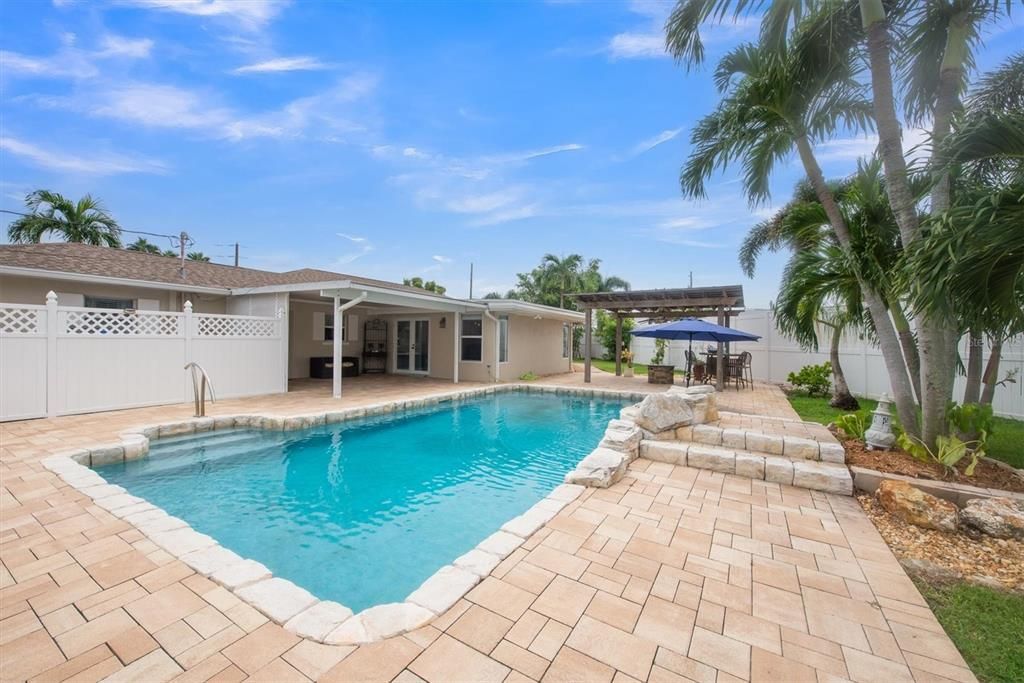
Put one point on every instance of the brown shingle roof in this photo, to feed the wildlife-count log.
(85, 259)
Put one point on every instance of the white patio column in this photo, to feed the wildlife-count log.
(338, 318)
(457, 335)
(587, 318)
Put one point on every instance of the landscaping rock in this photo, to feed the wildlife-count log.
(799, 449)
(778, 470)
(661, 412)
(749, 465)
(625, 439)
(602, 468)
(711, 458)
(706, 434)
(997, 517)
(914, 506)
(672, 452)
(822, 476)
(764, 443)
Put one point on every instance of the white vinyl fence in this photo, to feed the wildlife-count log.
(63, 360)
(775, 356)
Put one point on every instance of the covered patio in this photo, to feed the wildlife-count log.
(659, 305)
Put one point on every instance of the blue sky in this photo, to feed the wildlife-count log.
(386, 139)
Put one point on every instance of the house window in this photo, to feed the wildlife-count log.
(566, 339)
(323, 327)
(472, 338)
(329, 327)
(503, 339)
(107, 302)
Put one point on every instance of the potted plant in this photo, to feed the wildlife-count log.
(656, 372)
(627, 358)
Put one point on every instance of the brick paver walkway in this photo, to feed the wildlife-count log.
(673, 574)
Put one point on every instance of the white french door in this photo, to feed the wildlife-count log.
(412, 347)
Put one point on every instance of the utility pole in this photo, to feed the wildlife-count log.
(470, 280)
(236, 254)
(182, 244)
(691, 278)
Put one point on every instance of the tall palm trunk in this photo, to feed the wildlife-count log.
(841, 396)
(972, 392)
(888, 341)
(991, 377)
(937, 344)
(907, 343)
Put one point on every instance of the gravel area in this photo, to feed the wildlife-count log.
(985, 560)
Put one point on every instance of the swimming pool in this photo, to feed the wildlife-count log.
(362, 512)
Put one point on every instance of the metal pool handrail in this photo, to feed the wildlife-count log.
(199, 387)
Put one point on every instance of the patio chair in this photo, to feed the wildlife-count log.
(743, 372)
(693, 362)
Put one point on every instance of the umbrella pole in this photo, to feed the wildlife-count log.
(689, 357)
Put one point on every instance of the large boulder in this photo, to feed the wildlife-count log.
(914, 506)
(702, 401)
(602, 468)
(998, 517)
(622, 436)
(662, 412)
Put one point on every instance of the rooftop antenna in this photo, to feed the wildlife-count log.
(470, 280)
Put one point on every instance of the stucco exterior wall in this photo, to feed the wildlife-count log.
(301, 344)
(533, 346)
(32, 290)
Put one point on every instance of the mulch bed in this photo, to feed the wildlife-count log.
(986, 474)
(984, 560)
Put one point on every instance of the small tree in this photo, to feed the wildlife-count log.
(660, 347)
(606, 333)
(429, 285)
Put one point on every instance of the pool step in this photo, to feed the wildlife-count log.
(808, 474)
(185, 453)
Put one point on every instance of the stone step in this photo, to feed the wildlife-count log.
(808, 474)
(792, 447)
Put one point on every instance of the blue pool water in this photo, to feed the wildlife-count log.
(362, 512)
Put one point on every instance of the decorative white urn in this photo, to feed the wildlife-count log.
(879, 435)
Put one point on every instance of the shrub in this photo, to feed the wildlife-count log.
(949, 450)
(970, 419)
(660, 346)
(853, 425)
(606, 333)
(527, 376)
(814, 379)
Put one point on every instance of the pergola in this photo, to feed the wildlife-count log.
(659, 305)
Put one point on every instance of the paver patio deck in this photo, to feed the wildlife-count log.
(672, 574)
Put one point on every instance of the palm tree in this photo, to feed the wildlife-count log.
(84, 221)
(198, 256)
(819, 286)
(594, 281)
(777, 100)
(145, 246)
(563, 274)
(935, 52)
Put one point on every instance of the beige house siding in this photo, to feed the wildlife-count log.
(32, 290)
(301, 344)
(533, 346)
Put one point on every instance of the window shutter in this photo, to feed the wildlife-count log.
(318, 325)
(148, 304)
(352, 328)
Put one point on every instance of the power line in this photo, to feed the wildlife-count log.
(133, 232)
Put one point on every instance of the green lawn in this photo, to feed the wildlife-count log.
(986, 626)
(1005, 443)
(609, 366)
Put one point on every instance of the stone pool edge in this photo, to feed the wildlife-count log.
(282, 601)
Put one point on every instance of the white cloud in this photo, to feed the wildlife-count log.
(847, 149)
(637, 46)
(687, 223)
(280, 64)
(118, 46)
(534, 154)
(652, 142)
(94, 164)
(352, 238)
(71, 61)
(441, 259)
(364, 248)
(251, 14)
(507, 215)
(484, 203)
(159, 106)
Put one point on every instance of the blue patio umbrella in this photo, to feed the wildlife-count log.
(693, 328)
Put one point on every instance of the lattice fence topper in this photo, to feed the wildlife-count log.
(121, 323)
(20, 321)
(216, 326)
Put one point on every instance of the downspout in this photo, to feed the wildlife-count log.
(339, 326)
(497, 344)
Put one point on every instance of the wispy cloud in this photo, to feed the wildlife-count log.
(637, 46)
(363, 248)
(324, 114)
(441, 259)
(94, 164)
(652, 142)
(250, 14)
(72, 62)
(533, 154)
(281, 64)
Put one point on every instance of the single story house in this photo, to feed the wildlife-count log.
(332, 324)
